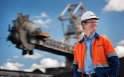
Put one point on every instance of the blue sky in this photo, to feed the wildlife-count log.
(111, 23)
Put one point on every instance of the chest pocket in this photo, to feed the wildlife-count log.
(100, 47)
(100, 52)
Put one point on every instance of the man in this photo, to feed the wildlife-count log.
(94, 55)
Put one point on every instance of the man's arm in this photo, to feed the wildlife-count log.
(113, 60)
(114, 66)
(76, 73)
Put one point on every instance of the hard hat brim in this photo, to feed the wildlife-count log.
(93, 17)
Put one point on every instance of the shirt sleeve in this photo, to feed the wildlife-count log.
(108, 47)
(75, 54)
(113, 60)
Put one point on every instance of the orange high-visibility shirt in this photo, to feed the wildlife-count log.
(101, 49)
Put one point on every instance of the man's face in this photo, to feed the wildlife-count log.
(90, 25)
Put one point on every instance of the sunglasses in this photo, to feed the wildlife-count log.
(91, 21)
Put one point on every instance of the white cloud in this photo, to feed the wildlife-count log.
(42, 15)
(42, 23)
(11, 66)
(120, 51)
(121, 42)
(34, 56)
(46, 63)
(35, 66)
(114, 5)
(42, 20)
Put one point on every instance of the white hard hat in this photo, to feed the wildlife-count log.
(88, 15)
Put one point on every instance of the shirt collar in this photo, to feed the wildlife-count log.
(95, 35)
(92, 35)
